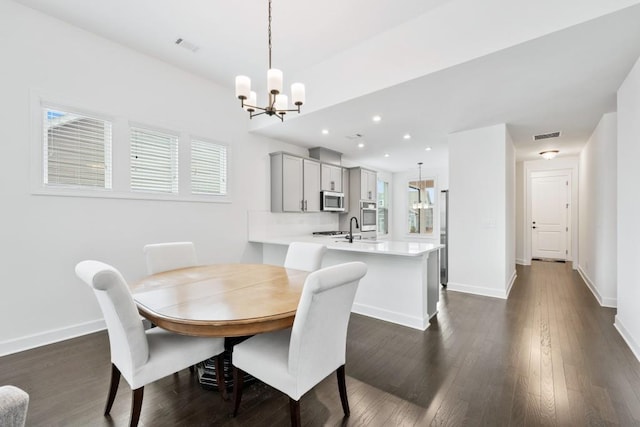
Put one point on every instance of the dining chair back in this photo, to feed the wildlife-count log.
(305, 256)
(140, 356)
(169, 256)
(14, 403)
(295, 360)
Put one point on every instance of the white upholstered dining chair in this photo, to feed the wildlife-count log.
(304, 256)
(140, 356)
(169, 256)
(14, 403)
(294, 360)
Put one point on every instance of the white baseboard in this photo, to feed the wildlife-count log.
(476, 290)
(604, 302)
(626, 336)
(391, 316)
(522, 261)
(49, 337)
(511, 282)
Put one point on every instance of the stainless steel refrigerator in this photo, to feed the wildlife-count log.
(444, 237)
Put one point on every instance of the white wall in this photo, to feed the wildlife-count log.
(597, 253)
(43, 237)
(478, 211)
(628, 317)
(510, 211)
(520, 213)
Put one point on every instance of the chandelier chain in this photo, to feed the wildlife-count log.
(269, 33)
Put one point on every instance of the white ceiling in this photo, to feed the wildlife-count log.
(564, 80)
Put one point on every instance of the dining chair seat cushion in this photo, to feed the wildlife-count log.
(168, 350)
(266, 357)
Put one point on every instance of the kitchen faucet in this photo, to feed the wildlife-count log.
(351, 229)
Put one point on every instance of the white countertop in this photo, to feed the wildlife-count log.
(339, 243)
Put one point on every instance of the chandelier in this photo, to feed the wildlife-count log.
(278, 104)
(420, 204)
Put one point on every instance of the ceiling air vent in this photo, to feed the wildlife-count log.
(546, 136)
(187, 45)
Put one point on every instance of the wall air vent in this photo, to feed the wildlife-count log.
(546, 136)
(187, 45)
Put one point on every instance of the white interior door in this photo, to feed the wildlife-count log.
(549, 206)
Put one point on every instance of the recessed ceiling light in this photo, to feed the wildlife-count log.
(361, 145)
(386, 154)
(376, 118)
(325, 131)
(407, 136)
(427, 149)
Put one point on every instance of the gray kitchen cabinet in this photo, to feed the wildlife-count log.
(295, 183)
(331, 178)
(363, 182)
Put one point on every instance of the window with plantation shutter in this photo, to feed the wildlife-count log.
(154, 161)
(77, 150)
(208, 168)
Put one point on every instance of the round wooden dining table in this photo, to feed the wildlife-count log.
(221, 300)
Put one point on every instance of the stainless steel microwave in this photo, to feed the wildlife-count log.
(331, 201)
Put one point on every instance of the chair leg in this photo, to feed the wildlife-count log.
(113, 388)
(238, 380)
(342, 387)
(294, 409)
(218, 363)
(136, 406)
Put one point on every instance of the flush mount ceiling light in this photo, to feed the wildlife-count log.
(376, 118)
(427, 149)
(325, 131)
(549, 154)
(407, 136)
(278, 103)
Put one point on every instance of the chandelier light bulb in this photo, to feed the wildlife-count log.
(297, 93)
(274, 81)
(243, 87)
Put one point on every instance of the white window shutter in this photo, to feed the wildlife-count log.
(208, 168)
(154, 161)
(76, 149)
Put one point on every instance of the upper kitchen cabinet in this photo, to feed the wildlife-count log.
(295, 184)
(331, 178)
(363, 182)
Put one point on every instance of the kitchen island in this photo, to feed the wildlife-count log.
(402, 282)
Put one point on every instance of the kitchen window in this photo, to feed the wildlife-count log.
(383, 207)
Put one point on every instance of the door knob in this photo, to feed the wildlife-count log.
(533, 226)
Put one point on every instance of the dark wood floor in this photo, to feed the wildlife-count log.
(549, 355)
